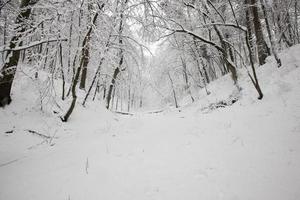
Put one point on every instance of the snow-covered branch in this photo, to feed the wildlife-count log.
(33, 44)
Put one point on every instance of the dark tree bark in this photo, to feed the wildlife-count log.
(224, 49)
(86, 50)
(74, 96)
(253, 78)
(83, 62)
(229, 64)
(93, 81)
(97, 90)
(129, 98)
(173, 90)
(186, 80)
(104, 90)
(248, 17)
(12, 57)
(62, 71)
(262, 48)
(270, 35)
(184, 70)
(70, 43)
(112, 84)
(98, 70)
(121, 56)
(297, 35)
(4, 37)
(198, 57)
(117, 103)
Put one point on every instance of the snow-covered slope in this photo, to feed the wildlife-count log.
(249, 150)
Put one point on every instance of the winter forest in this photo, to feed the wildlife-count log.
(150, 99)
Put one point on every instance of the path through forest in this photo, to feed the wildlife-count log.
(176, 155)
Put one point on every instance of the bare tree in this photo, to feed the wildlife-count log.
(8, 71)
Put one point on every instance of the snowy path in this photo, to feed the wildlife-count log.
(248, 151)
(222, 155)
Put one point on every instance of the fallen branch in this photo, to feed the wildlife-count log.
(124, 113)
(9, 132)
(38, 134)
(155, 112)
(10, 162)
(220, 104)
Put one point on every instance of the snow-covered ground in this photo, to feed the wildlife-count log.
(249, 150)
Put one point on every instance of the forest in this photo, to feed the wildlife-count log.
(217, 79)
(103, 48)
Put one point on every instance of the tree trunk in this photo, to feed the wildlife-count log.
(173, 90)
(297, 35)
(70, 43)
(98, 69)
(12, 57)
(129, 99)
(249, 28)
(62, 72)
(254, 79)
(74, 96)
(86, 49)
(4, 37)
(185, 76)
(224, 50)
(117, 103)
(97, 89)
(93, 81)
(111, 86)
(83, 62)
(262, 48)
(120, 55)
(271, 38)
(229, 64)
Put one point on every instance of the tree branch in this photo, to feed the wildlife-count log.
(33, 44)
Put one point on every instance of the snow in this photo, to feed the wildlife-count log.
(249, 150)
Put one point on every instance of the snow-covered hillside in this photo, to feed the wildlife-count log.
(249, 150)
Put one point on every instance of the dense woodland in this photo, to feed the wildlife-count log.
(149, 99)
(119, 51)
